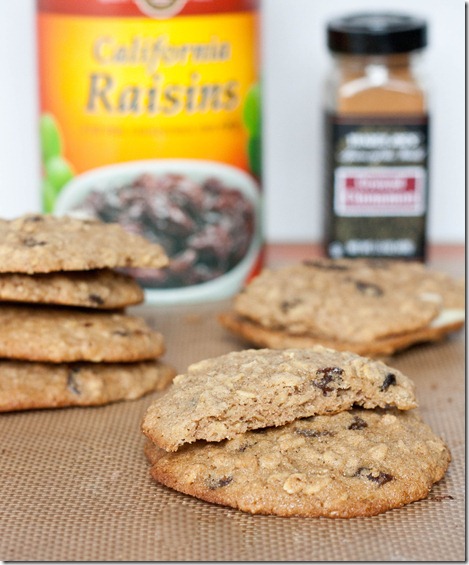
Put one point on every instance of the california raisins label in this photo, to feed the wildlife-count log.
(151, 118)
(377, 186)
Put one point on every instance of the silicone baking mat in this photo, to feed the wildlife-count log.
(75, 486)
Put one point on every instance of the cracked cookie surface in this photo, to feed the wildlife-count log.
(37, 243)
(28, 385)
(355, 463)
(54, 334)
(100, 289)
(227, 395)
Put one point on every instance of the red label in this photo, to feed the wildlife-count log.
(379, 191)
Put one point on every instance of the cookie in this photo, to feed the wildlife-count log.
(59, 335)
(433, 285)
(355, 463)
(260, 336)
(42, 243)
(368, 306)
(221, 397)
(101, 289)
(25, 386)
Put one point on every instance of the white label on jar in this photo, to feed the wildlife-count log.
(379, 191)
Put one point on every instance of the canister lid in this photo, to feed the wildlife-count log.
(376, 33)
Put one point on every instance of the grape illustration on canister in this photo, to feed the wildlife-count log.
(252, 117)
(57, 171)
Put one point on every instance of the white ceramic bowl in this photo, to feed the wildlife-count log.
(114, 176)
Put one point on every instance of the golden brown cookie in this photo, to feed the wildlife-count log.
(260, 336)
(26, 386)
(37, 243)
(59, 335)
(355, 463)
(372, 307)
(227, 395)
(102, 289)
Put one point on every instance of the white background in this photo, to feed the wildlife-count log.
(295, 62)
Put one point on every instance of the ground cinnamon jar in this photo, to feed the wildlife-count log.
(377, 137)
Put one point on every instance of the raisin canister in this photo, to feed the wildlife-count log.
(377, 137)
(150, 116)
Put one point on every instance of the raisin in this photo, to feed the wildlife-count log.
(369, 289)
(287, 305)
(242, 448)
(96, 299)
(326, 376)
(32, 242)
(207, 227)
(380, 479)
(72, 383)
(389, 380)
(314, 433)
(213, 484)
(358, 424)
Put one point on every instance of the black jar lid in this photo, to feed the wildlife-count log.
(376, 33)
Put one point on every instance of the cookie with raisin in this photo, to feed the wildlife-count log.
(36, 243)
(59, 335)
(245, 390)
(255, 334)
(371, 307)
(355, 463)
(102, 289)
(27, 385)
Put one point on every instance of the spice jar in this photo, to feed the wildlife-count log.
(377, 137)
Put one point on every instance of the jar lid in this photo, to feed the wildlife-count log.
(376, 33)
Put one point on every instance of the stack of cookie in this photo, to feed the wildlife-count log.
(370, 307)
(64, 337)
(303, 432)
